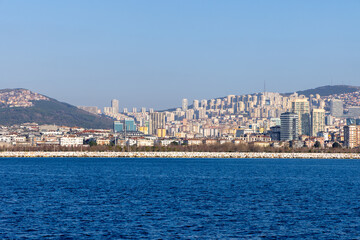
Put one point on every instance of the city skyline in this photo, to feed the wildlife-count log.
(185, 103)
(113, 105)
(264, 119)
(144, 52)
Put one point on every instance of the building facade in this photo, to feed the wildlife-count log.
(157, 121)
(289, 126)
(71, 141)
(336, 108)
(317, 121)
(352, 136)
(118, 126)
(184, 104)
(301, 107)
(115, 105)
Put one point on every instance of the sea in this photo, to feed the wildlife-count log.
(100, 198)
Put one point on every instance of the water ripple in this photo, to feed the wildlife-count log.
(179, 198)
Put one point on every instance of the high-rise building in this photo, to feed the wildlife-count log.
(212, 103)
(184, 104)
(201, 113)
(189, 114)
(196, 104)
(156, 121)
(170, 116)
(230, 99)
(118, 126)
(115, 105)
(161, 132)
(108, 110)
(317, 121)
(255, 99)
(289, 126)
(336, 108)
(261, 100)
(130, 125)
(321, 104)
(352, 136)
(218, 102)
(300, 106)
(204, 103)
(329, 120)
(144, 130)
(241, 106)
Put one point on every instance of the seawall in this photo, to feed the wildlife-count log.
(181, 155)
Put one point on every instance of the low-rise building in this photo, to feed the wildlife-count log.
(102, 141)
(191, 142)
(71, 141)
(141, 142)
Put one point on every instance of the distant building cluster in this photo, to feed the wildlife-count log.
(264, 119)
(19, 98)
(32, 134)
(268, 118)
(93, 110)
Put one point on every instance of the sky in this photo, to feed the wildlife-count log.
(155, 53)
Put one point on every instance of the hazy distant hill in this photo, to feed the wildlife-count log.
(44, 110)
(328, 90)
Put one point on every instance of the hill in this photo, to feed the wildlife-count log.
(19, 106)
(328, 90)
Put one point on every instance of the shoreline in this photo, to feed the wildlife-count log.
(179, 155)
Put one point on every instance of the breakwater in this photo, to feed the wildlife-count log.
(183, 155)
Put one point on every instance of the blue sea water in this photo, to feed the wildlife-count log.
(87, 198)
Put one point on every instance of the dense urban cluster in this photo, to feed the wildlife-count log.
(19, 98)
(262, 119)
(265, 120)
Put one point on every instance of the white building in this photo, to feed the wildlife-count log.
(184, 104)
(71, 141)
(5, 139)
(144, 143)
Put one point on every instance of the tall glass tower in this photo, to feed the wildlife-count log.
(301, 107)
(289, 126)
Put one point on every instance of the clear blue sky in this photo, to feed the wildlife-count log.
(154, 53)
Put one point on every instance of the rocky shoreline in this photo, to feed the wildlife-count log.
(180, 155)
